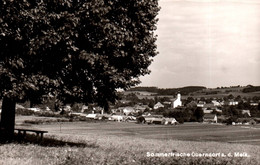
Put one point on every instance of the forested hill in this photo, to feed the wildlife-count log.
(169, 91)
(251, 89)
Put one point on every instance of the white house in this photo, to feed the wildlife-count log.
(216, 103)
(253, 104)
(128, 110)
(232, 102)
(158, 105)
(201, 104)
(177, 102)
(170, 121)
(246, 112)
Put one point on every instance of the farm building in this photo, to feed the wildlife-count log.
(159, 119)
(210, 118)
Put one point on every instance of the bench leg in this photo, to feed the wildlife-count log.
(41, 136)
(24, 134)
(37, 136)
(20, 136)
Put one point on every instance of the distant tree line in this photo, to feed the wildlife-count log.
(169, 91)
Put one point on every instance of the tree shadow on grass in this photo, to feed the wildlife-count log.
(50, 142)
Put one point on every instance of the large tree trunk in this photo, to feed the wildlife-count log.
(8, 119)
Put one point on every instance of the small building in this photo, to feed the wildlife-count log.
(206, 110)
(128, 110)
(91, 116)
(170, 121)
(253, 104)
(209, 105)
(210, 118)
(246, 112)
(84, 108)
(158, 105)
(141, 108)
(201, 104)
(232, 102)
(216, 103)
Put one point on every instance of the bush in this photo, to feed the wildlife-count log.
(230, 120)
(180, 120)
(257, 120)
(140, 119)
(24, 112)
(252, 122)
(43, 121)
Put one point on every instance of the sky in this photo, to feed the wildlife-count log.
(209, 43)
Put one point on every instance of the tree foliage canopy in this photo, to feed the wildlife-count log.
(80, 50)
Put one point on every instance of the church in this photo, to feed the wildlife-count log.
(177, 102)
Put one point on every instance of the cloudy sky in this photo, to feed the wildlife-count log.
(211, 43)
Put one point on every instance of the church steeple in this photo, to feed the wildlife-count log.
(179, 96)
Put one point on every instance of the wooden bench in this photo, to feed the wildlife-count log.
(22, 132)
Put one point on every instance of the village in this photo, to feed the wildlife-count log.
(145, 107)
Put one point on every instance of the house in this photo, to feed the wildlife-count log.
(91, 116)
(116, 118)
(209, 105)
(128, 110)
(177, 102)
(210, 110)
(246, 112)
(210, 118)
(216, 103)
(201, 104)
(84, 108)
(205, 110)
(170, 121)
(158, 105)
(232, 102)
(154, 119)
(253, 104)
(141, 108)
(34, 109)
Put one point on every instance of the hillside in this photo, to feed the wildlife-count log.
(169, 91)
(199, 91)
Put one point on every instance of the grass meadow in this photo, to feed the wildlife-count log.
(128, 143)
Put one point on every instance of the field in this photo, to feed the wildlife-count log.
(130, 143)
(185, 132)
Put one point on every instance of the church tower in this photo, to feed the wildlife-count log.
(177, 102)
(179, 96)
